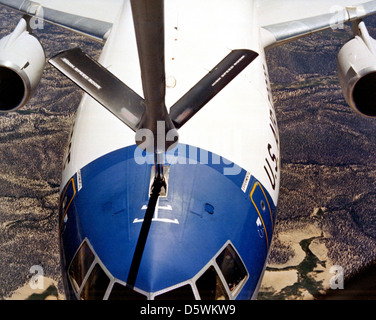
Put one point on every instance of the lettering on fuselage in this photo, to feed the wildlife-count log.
(272, 162)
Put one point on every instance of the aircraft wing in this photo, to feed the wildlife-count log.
(286, 20)
(93, 18)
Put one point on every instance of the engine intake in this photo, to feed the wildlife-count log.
(22, 60)
(357, 72)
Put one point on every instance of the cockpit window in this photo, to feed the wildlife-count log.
(80, 265)
(181, 293)
(210, 286)
(231, 267)
(120, 292)
(221, 279)
(96, 285)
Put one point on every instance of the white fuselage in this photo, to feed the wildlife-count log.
(238, 124)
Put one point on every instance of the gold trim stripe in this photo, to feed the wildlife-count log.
(260, 216)
(71, 181)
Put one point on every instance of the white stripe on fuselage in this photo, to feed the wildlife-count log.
(237, 124)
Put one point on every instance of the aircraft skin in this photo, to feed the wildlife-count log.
(238, 125)
(207, 231)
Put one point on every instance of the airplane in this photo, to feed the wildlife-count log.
(170, 183)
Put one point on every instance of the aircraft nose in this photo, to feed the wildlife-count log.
(207, 238)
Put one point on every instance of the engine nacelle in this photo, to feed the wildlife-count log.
(22, 60)
(357, 72)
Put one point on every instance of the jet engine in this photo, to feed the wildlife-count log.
(357, 72)
(22, 60)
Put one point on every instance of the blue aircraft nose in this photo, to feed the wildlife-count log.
(207, 237)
